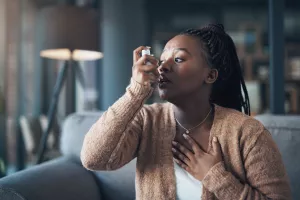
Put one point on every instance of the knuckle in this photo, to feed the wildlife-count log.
(140, 69)
(182, 149)
(185, 151)
(136, 51)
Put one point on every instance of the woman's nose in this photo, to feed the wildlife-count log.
(164, 67)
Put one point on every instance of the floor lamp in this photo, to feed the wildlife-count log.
(70, 34)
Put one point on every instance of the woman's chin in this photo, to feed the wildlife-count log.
(163, 94)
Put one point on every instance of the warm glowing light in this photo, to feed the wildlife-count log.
(65, 54)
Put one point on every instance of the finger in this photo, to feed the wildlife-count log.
(182, 150)
(150, 72)
(147, 58)
(147, 68)
(216, 146)
(195, 147)
(182, 165)
(155, 72)
(181, 156)
(137, 53)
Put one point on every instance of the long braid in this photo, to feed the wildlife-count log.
(220, 53)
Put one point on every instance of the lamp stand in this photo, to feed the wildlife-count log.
(53, 105)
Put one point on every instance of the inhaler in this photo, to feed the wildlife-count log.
(146, 52)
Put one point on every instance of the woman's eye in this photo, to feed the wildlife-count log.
(178, 60)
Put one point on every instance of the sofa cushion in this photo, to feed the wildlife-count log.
(118, 184)
(285, 131)
(59, 179)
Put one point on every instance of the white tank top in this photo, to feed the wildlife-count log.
(187, 187)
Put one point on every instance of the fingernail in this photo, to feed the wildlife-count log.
(174, 150)
(148, 47)
(173, 142)
(185, 136)
(215, 139)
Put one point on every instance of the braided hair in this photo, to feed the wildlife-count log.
(220, 54)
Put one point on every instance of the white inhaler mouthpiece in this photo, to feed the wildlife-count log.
(146, 52)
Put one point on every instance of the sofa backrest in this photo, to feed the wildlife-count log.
(114, 185)
(74, 129)
(286, 133)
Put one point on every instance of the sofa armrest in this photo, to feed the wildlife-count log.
(9, 194)
(59, 179)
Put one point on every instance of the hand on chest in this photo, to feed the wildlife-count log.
(200, 135)
(192, 154)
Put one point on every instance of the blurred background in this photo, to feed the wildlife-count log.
(266, 34)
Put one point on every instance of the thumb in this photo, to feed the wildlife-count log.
(216, 146)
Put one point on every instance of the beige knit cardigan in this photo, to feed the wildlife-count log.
(252, 166)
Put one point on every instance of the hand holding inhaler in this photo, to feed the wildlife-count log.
(145, 65)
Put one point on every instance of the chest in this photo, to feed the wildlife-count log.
(201, 135)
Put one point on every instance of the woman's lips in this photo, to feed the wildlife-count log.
(163, 79)
(163, 85)
(163, 82)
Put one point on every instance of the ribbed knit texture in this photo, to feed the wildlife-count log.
(252, 167)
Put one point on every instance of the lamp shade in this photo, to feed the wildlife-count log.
(69, 32)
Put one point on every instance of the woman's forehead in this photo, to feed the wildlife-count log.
(181, 42)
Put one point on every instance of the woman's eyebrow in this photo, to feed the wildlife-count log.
(179, 49)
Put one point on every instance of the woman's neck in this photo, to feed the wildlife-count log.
(191, 112)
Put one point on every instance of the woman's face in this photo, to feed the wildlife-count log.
(184, 71)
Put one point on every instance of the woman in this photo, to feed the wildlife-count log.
(199, 144)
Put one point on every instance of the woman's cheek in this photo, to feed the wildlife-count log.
(186, 71)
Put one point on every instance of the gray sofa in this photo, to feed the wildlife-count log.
(65, 179)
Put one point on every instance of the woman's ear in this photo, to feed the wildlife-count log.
(212, 76)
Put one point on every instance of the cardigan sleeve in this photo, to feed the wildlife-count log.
(113, 140)
(265, 172)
